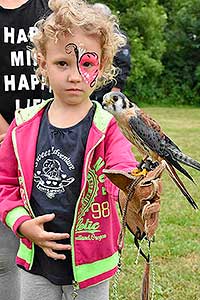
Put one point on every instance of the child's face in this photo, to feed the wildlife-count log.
(72, 65)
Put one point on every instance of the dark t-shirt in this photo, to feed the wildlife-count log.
(19, 86)
(56, 188)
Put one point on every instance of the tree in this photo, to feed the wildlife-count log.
(144, 22)
(182, 57)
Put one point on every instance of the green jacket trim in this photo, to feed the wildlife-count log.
(96, 268)
(101, 117)
(24, 114)
(26, 254)
(15, 214)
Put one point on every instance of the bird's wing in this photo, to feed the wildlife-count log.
(149, 132)
(172, 155)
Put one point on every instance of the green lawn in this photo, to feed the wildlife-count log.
(176, 250)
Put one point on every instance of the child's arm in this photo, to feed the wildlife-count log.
(119, 155)
(11, 204)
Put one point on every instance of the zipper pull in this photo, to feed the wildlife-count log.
(75, 288)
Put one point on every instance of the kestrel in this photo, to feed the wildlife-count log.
(146, 134)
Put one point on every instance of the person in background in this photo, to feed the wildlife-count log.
(54, 195)
(19, 87)
(122, 61)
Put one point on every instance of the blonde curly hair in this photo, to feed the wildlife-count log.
(67, 14)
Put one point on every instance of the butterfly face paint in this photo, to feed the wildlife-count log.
(87, 63)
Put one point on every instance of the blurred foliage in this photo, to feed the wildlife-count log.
(165, 47)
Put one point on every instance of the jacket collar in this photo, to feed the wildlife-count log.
(101, 117)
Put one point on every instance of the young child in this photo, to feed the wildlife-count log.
(19, 87)
(53, 193)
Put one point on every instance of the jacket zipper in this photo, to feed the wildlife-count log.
(20, 168)
(75, 282)
(75, 287)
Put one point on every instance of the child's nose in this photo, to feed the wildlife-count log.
(74, 75)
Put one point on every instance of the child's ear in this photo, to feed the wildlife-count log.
(42, 63)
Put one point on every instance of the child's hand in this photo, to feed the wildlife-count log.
(34, 231)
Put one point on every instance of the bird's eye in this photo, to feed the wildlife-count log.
(115, 98)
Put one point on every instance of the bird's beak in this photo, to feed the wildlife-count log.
(107, 100)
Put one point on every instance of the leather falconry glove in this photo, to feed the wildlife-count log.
(140, 197)
(139, 201)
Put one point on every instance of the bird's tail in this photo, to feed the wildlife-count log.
(180, 185)
(185, 159)
(174, 162)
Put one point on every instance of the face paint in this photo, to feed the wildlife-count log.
(89, 67)
(70, 48)
(87, 63)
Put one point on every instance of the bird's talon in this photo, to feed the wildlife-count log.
(139, 172)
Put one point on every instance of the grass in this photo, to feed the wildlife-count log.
(176, 250)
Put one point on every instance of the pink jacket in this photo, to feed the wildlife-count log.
(96, 226)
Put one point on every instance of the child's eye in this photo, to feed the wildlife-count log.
(87, 64)
(62, 63)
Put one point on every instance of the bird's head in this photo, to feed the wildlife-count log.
(116, 102)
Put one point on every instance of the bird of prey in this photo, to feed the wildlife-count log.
(146, 134)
